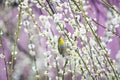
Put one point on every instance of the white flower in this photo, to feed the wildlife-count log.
(82, 31)
(57, 17)
(66, 19)
(37, 76)
(66, 11)
(2, 56)
(32, 53)
(61, 71)
(34, 1)
(26, 30)
(33, 68)
(58, 8)
(86, 7)
(76, 33)
(24, 4)
(46, 72)
(38, 5)
(66, 4)
(62, 24)
(14, 53)
(102, 52)
(26, 23)
(43, 19)
(84, 37)
(24, 14)
(84, 49)
(54, 64)
(92, 42)
(31, 46)
(71, 22)
(42, 1)
(55, 1)
(1, 32)
(47, 25)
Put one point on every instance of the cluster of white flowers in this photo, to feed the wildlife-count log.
(87, 55)
(112, 25)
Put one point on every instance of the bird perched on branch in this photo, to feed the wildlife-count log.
(61, 46)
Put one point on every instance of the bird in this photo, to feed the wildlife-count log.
(61, 46)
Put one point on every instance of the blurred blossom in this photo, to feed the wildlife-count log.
(29, 33)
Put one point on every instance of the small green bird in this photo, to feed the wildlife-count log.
(62, 49)
(61, 46)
